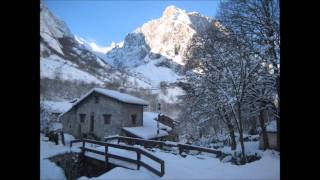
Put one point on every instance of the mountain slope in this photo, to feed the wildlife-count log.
(150, 60)
(63, 57)
(156, 50)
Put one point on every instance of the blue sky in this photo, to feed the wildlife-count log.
(106, 21)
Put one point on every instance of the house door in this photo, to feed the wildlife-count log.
(92, 122)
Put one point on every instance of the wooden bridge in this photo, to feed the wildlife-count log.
(107, 155)
(105, 152)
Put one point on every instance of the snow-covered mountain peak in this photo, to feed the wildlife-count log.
(174, 14)
(159, 44)
(171, 10)
(170, 34)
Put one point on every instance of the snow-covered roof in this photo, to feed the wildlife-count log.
(121, 96)
(126, 98)
(149, 128)
(57, 106)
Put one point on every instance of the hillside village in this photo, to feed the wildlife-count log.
(181, 97)
(72, 121)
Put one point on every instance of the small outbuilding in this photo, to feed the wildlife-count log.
(149, 129)
(271, 129)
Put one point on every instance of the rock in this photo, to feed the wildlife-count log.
(183, 154)
(154, 55)
(227, 159)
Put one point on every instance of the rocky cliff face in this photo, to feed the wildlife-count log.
(170, 34)
(131, 54)
(155, 51)
(165, 37)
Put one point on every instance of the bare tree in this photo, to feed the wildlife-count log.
(256, 23)
(224, 73)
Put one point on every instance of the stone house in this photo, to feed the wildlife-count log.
(102, 112)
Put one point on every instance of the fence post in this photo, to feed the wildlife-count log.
(83, 146)
(138, 159)
(180, 149)
(162, 168)
(106, 153)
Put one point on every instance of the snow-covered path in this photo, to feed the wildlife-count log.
(176, 167)
(199, 167)
(48, 169)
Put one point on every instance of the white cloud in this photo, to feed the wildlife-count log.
(98, 48)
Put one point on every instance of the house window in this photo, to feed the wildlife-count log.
(82, 117)
(107, 118)
(134, 119)
(96, 99)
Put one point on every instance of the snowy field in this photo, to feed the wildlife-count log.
(156, 74)
(48, 169)
(52, 66)
(201, 166)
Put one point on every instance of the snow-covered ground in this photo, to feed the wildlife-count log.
(55, 66)
(209, 168)
(202, 166)
(156, 74)
(48, 169)
(171, 95)
(139, 83)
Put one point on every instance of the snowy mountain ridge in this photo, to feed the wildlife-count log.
(167, 36)
(150, 55)
(71, 58)
(156, 50)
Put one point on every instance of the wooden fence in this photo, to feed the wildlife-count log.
(108, 155)
(161, 144)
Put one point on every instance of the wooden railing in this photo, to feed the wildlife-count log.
(160, 144)
(108, 155)
(138, 141)
(183, 147)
